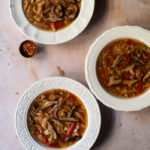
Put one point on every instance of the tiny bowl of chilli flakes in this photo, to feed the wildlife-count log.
(28, 49)
(57, 117)
(118, 68)
(52, 21)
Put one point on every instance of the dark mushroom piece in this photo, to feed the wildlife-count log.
(72, 110)
(74, 138)
(71, 12)
(68, 119)
(57, 10)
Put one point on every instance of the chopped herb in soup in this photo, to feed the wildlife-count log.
(51, 15)
(57, 118)
(123, 68)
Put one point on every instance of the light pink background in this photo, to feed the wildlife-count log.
(120, 130)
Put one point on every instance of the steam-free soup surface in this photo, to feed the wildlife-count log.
(57, 118)
(51, 15)
(123, 68)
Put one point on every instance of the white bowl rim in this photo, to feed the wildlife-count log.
(117, 103)
(93, 110)
(48, 37)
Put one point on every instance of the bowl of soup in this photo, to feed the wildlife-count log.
(52, 21)
(117, 68)
(56, 113)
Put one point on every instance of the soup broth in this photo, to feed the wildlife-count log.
(51, 15)
(57, 118)
(123, 68)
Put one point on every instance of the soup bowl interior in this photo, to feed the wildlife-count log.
(58, 83)
(117, 103)
(48, 37)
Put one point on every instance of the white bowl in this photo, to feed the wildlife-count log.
(94, 117)
(131, 104)
(48, 37)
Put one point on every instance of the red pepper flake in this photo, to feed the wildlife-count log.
(37, 132)
(142, 74)
(128, 59)
(127, 75)
(127, 62)
(58, 24)
(28, 48)
(104, 81)
(140, 87)
(48, 109)
(121, 67)
(72, 129)
(49, 144)
(72, 96)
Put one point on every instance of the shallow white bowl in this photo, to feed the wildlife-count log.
(48, 37)
(94, 117)
(131, 104)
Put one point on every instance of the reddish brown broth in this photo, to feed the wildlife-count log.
(51, 15)
(123, 68)
(57, 118)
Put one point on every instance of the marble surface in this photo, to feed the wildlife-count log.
(120, 130)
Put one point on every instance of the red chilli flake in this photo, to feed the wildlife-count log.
(37, 132)
(49, 144)
(104, 81)
(128, 59)
(127, 76)
(72, 96)
(140, 87)
(58, 24)
(72, 129)
(47, 111)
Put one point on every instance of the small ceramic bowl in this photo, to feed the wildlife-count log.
(48, 37)
(28, 53)
(94, 117)
(117, 103)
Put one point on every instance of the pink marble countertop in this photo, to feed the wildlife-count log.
(120, 130)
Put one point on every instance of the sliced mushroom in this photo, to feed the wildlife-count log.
(130, 69)
(44, 122)
(50, 131)
(79, 116)
(59, 127)
(146, 76)
(58, 123)
(113, 81)
(46, 104)
(72, 110)
(62, 2)
(137, 60)
(116, 61)
(52, 18)
(71, 12)
(38, 116)
(138, 73)
(57, 10)
(129, 82)
(69, 119)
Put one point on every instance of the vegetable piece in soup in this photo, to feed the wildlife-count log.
(123, 68)
(51, 15)
(57, 118)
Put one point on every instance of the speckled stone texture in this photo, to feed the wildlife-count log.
(120, 130)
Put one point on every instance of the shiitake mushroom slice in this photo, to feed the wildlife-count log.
(71, 12)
